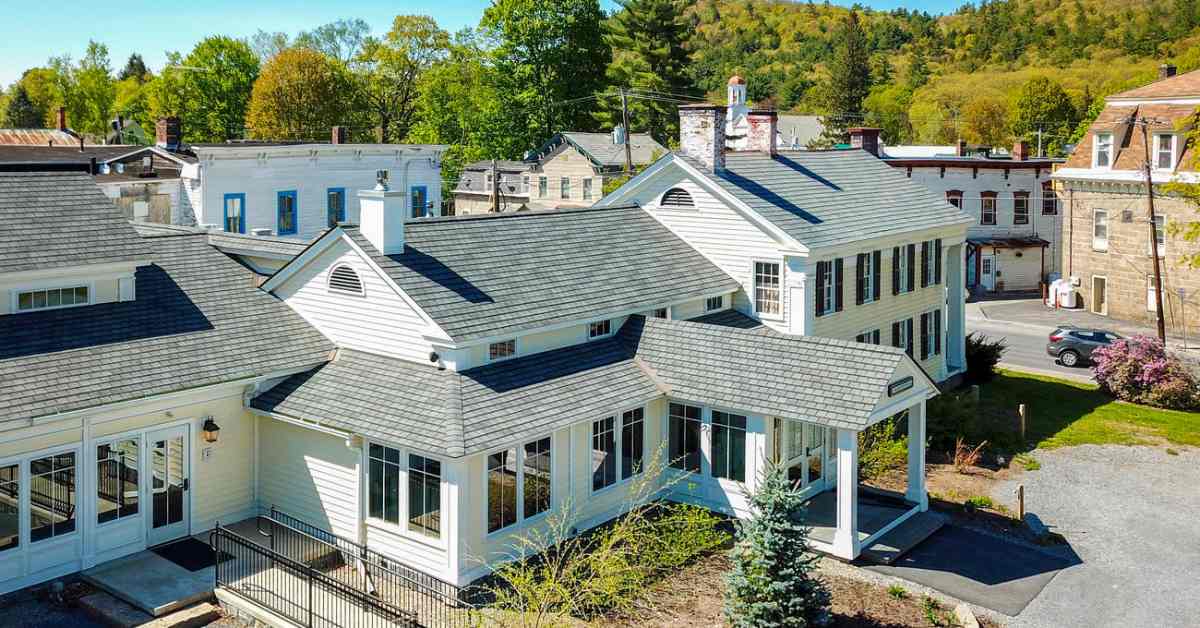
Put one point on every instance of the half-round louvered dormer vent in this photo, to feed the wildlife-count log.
(344, 279)
(677, 197)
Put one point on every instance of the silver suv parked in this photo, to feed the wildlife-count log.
(1074, 345)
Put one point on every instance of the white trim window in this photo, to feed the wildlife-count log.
(587, 188)
(502, 350)
(344, 279)
(683, 437)
(870, 337)
(117, 485)
(767, 289)
(1151, 301)
(604, 453)
(1100, 230)
(543, 186)
(424, 496)
(867, 272)
(383, 479)
(632, 443)
(828, 303)
(1102, 151)
(10, 510)
(519, 483)
(52, 298)
(52, 488)
(600, 329)
(1164, 151)
(388, 479)
(564, 185)
(660, 312)
(728, 446)
(712, 304)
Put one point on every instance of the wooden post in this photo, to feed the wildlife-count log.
(1022, 413)
(1021, 502)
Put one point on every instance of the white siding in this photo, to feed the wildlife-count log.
(379, 321)
(310, 475)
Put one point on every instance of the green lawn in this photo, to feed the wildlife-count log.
(1063, 413)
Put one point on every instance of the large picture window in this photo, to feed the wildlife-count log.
(519, 483)
(10, 500)
(52, 496)
(728, 446)
(502, 489)
(684, 437)
(604, 453)
(384, 478)
(536, 484)
(633, 435)
(117, 480)
(424, 495)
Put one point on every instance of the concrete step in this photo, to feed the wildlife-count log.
(117, 613)
(899, 540)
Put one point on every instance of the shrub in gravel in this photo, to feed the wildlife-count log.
(1139, 369)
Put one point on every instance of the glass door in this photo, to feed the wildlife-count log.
(168, 485)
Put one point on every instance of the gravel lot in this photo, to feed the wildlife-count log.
(1132, 514)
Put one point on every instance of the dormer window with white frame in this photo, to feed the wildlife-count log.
(502, 350)
(712, 304)
(1164, 151)
(345, 280)
(51, 298)
(599, 329)
(1102, 151)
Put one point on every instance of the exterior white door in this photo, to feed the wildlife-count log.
(167, 485)
(987, 272)
(806, 448)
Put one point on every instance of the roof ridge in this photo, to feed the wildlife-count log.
(456, 445)
(533, 213)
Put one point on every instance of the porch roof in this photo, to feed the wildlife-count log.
(830, 382)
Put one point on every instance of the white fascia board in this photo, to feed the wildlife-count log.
(97, 271)
(439, 333)
(1123, 176)
(1164, 100)
(234, 152)
(612, 199)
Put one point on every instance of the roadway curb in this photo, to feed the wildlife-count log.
(1083, 379)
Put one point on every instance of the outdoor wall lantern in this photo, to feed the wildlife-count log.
(209, 430)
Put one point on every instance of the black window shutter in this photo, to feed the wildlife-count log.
(937, 332)
(895, 270)
(924, 264)
(925, 336)
(896, 334)
(821, 288)
(912, 266)
(837, 285)
(937, 261)
(875, 278)
(908, 324)
(859, 278)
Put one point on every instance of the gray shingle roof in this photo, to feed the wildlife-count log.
(197, 320)
(828, 198)
(496, 274)
(831, 382)
(599, 147)
(59, 219)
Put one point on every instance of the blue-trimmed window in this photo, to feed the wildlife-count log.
(335, 205)
(287, 215)
(420, 201)
(234, 220)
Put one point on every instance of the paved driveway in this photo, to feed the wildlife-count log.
(1132, 514)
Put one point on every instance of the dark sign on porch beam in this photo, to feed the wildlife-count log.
(899, 386)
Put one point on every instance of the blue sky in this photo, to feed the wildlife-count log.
(32, 32)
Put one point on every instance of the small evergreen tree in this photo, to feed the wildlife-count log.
(21, 112)
(771, 583)
(849, 81)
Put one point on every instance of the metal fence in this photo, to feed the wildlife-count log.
(317, 579)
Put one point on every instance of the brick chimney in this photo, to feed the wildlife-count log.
(338, 135)
(702, 134)
(866, 138)
(762, 132)
(1166, 71)
(62, 118)
(1020, 150)
(168, 133)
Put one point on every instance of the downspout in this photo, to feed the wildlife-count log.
(1071, 240)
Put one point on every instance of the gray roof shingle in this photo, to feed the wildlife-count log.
(198, 320)
(495, 274)
(60, 219)
(715, 362)
(829, 198)
(599, 147)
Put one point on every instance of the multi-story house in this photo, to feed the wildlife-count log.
(476, 191)
(1106, 228)
(1013, 243)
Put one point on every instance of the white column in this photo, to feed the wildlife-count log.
(916, 456)
(845, 539)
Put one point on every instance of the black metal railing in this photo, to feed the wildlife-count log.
(416, 598)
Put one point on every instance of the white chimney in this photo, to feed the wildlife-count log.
(381, 216)
(736, 96)
(702, 134)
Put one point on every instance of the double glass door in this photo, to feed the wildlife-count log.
(168, 485)
(808, 453)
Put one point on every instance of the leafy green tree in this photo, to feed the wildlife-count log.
(849, 80)
(342, 40)
(21, 113)
(135, 68)
(132, 102)
(1042, 104)
(985, 121)
(209, 90)
(299, 95)
(388, 71)
(918, 69)
(647, 38)
(887, 108)
(549, 53)
(268, 44)
(772, 581)
(86, 89)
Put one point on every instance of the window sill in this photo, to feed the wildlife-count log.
(416, 537)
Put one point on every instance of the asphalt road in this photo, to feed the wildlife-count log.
(1026, 345)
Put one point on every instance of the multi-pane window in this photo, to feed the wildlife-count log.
(954, 197)
(384, 478)
(868, 337)
(335, 206)
(502, 350)
(1049, 200)
(632, 442)
(604, 453)
(866, 274)
(903, 259)
(587, 189)
(235, 208)
(1164, 154)
(1100, 230)
(10, 499)
(502, 489)
(931, 332)
(766, 288)
(1103, 151)
(543, 187)
(902, 335)
(714, 303)
(599, 329)
(826, 279)
(52, 496)
(420, 201)
(987, 210)
(659, 313)
(424, 495)
(117, 480)
(728, 446)
(286, 213)
(52, 298)
(684, 437)
(536, 484)
(564, 186)
(1020, 209)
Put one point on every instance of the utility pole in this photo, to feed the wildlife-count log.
(495, 189)
(625, 133)
(1158, 288)
(1040, 155)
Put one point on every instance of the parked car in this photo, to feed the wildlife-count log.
(1073, 346)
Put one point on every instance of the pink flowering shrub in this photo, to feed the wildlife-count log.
(1139, 369)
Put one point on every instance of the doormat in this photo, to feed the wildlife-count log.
(191, 554)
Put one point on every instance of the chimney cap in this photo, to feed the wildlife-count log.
(737, 80)
(702, 106)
